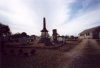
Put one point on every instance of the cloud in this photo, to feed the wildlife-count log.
(55, 11)
(67, 16)
(26, 15)
(81, 6)
(83, 21)
(21, 17)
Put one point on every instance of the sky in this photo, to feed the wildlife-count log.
(69, 17)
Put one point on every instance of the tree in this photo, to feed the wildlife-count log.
(4, 30)
(23, 34)
(66, 37)
(17, 35)
(72, 37)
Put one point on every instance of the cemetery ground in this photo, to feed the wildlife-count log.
(98, 41)
(74, 54)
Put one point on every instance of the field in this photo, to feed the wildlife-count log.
(43, 58)
(98, 41)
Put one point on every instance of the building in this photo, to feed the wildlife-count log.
(92, 33)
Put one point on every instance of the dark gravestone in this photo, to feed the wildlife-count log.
(47, 42)
(33, 52)
(26, 55)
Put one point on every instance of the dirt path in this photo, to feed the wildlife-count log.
(72, 54)
(87, 55)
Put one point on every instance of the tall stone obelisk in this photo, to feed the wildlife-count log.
(44, 31)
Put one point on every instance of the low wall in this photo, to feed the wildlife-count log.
(19, 51)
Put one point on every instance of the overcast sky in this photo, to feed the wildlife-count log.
(69, 17)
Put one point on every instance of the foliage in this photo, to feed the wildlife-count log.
(4, 30)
